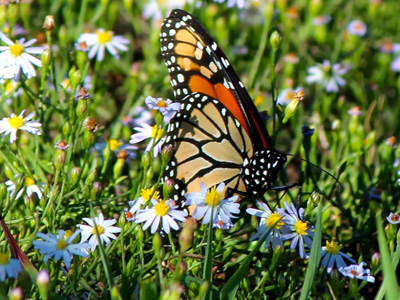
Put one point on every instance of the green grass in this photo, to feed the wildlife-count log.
(81, 182)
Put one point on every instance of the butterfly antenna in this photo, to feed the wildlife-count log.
(319, 168)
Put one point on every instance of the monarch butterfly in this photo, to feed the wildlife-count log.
(218, 135)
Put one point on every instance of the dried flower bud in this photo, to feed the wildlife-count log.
(49, 23)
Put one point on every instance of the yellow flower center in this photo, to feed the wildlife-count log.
(104, 37)
(161, 208)
(301, 227)
(114, 144)
(156, 132)
(29, 181)
(147, 194)
(100, 229)
(162, 103)
(62, 244)
(16, 49)
(213, 197)
(4, 258)
(290, 95)
(273, 219)
(333, 247)
(258, 100)
(16, 122)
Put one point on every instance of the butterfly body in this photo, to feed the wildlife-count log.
(218, 135)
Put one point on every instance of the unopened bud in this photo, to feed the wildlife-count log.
(293, 105)
(157, 243)
(75, 77)
(147, 159)
(75, 175)
(186, 234)
(275, 40)
(168, 187)
(43, 280)
(166, 153)
(16, 294)
(45, 58)
(92, 176)
(49, 23)
(95, 190)
(59, 158)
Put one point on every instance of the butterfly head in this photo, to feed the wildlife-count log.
(261, 170)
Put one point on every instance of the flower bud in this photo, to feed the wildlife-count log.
(293, 105)
(89, 137)
(43, 280)
(204, 287)
(186, 234)
(75, 77)
(168, 187)
(119, 165)
(46, 58)
(275, 39)
(92, 176)
(75, 175)
(16, 294)
(147, 159)
(375, 262)
(166, 153)
(49, 23)
(95, 191)
(3, 191)
(59, 158)
(81, 59)
(157, 243)
(66, 129)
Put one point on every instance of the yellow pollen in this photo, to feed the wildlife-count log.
(104, 37)
(16, 49)
(162, 103)
(16, 122)
(161, 208)
(333, 247)
(156, 132)
(99, 229)
(4, 258)
(274, 219)
(29, 181)
(147, 194)
(62, 244)
(301, 227)
(213, 197)
(114, 144)
(258, 100)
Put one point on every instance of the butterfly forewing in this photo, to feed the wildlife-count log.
(197, 64)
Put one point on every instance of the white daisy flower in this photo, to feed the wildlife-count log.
(30, 187)
(9, 267)
(17, 56)
(393, 218)
(166, 107)
(357, 28)
(331, 256)
(13, 123)
(300, 231)
(268, 220)
(287, 95)
(101, 40)
(149, 132)
(221, 224)
(104, 228)
(358, 271)
(162, 211)
(210, 205)
(60, 246)
(330, 77)
(137, 204)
